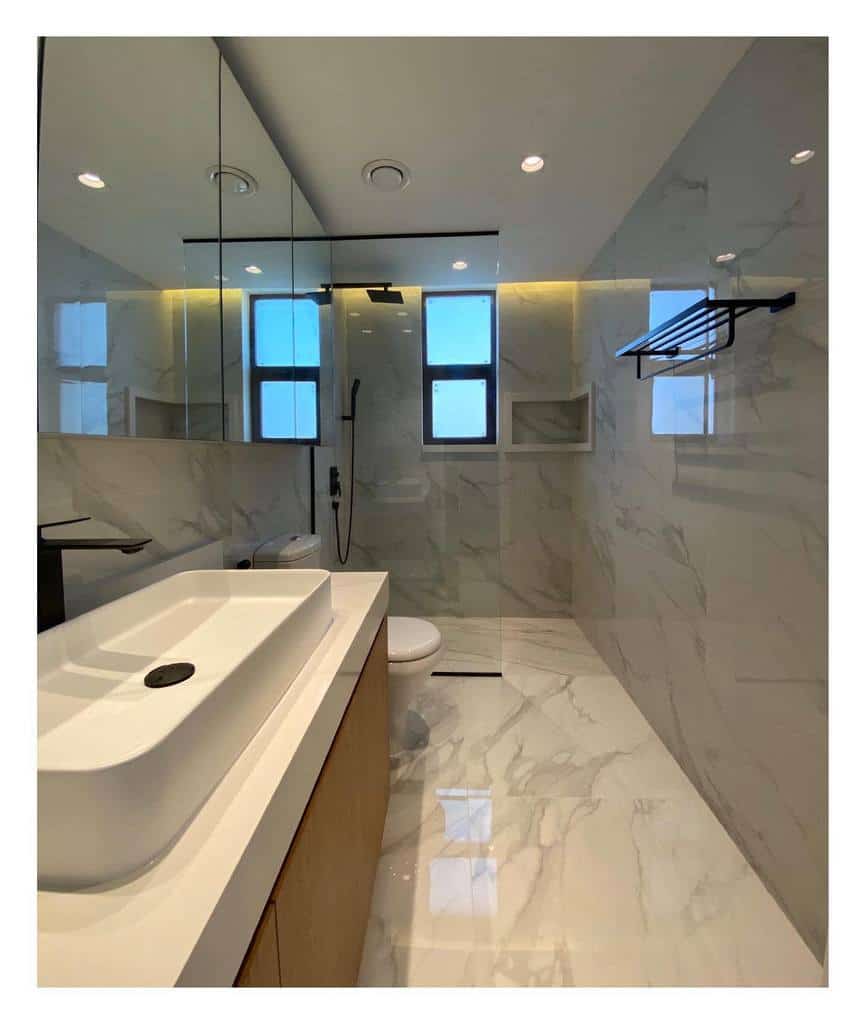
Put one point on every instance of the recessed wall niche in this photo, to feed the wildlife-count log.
(543, 422)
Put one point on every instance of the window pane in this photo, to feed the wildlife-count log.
(665, 303)
(94, 407)
(288, 409)
(70, 407)
(286, 332)
(81, 333)
(458, 329)
(678, 405)
(83, 407)
(458, 408)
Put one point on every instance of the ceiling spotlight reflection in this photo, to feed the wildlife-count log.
(460, 265)
(725, 257)
(91, 180)
(252, 269)
(802, 157)
(531, 164)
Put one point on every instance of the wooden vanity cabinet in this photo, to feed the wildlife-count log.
(260, 968)
(314, 924)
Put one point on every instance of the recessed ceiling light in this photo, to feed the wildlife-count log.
(252, 269)
(367, 330)
(531, 164)
(353, 314)
(460, 265)
(802, 157)
(725, 257)
(406, 330)
(91, 180)
(401, 312)
(220, 277)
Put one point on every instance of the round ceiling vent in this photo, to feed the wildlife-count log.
(386, 175)
(234, 179)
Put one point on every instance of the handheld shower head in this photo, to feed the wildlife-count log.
(353, 390)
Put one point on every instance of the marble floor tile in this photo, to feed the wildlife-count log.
(539, 833)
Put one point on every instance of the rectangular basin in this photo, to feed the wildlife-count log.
(122, 766)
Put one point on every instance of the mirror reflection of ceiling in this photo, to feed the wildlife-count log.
(142, 113)
(427, 262)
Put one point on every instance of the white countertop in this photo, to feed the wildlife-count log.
(188, 919)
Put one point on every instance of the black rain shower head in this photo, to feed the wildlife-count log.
(323, 298)
(385, 295)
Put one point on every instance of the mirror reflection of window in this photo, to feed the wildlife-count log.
(81, 334)
(683, 401)
(467, 814)
(81, 347)
(285, 369)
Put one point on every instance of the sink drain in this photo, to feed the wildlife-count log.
(169, 675)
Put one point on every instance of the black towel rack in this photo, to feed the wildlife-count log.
(703, 317)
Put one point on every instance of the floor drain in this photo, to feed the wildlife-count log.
(169, 675)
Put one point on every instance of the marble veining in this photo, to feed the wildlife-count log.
(699, 561)
(180, 493)
(539, 833)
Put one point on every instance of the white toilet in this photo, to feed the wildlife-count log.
(415, 648)
(288, 551)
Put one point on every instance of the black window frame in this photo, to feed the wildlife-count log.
(261, 374)
(462, 371)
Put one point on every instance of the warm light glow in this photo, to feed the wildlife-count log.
(531, 164)
(460, 265)
(802, 157)
(725, 257)
(253, 269)
(91, 180)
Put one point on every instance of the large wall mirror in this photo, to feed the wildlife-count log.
(150, 155)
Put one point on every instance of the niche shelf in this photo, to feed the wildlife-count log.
(548, 422)
(702, 320)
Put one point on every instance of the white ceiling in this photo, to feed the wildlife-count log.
(461, 113)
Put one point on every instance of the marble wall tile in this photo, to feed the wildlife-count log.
(699, 563)
(180, 493)
(461, 534)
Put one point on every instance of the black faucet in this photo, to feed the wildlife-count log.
(51, 600)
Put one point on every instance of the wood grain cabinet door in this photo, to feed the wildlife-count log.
(260, 967)
(323, 895)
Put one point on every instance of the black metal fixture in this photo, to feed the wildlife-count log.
(51, 599)
(169, 675)
(377, 291)
(335, 483)
(385, 295)
(704, 317)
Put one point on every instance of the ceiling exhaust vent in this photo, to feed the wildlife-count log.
(234, 179)
(386, 175)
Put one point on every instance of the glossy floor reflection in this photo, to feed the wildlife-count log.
(542, 835)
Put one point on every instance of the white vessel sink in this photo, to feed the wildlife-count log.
(123, 767)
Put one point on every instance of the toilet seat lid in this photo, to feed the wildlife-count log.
(412, 639)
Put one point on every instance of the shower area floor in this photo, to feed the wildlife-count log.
(539, 833)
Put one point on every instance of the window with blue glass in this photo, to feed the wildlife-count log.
(285, 368)
(683, 401)
(81, 349)
(459, 368)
